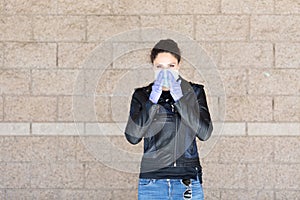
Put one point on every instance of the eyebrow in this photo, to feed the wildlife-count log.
(173, 63)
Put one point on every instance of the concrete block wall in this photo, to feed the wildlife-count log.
(44, 154)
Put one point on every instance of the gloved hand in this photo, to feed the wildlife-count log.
(157, 88)
(175, 88)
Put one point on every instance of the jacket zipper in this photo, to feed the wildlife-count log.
(175, 145)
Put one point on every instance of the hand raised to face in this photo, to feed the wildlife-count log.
(175, 86)
(157, 88)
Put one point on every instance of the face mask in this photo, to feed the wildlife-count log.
(174, 72)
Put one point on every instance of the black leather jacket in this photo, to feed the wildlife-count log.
(169, 130)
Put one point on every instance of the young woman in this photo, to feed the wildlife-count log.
(169, 114)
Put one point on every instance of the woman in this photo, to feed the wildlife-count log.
(169, 115)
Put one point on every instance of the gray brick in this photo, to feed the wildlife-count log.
(99, 176)
(286, 149)
(222, 28)
(275, 28)
(288, 176)
(57, 175)
(261, 176)
(230, 176)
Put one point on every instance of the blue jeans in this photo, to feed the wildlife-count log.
(171, 189)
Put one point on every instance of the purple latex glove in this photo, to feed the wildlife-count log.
(157, 88)
(175, 88)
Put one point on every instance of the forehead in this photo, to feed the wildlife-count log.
(165, 57)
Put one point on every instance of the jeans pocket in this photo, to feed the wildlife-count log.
(195, 182)
(145, 181)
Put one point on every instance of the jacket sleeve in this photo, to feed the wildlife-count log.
(194, 112)
(142, 112)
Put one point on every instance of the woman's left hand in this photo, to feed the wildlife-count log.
(175, 88)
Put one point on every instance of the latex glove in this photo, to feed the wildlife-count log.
(175, 88)
(157, 88)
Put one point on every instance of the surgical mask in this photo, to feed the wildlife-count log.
(174, 72)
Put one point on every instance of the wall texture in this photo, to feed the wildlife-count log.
(43, 45)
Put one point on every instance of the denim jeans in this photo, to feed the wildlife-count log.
(171, 189)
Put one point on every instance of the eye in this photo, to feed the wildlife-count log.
(158, 66)
(172, 65)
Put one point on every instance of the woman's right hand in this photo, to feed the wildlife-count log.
(157, 88)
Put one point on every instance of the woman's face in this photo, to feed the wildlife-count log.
(165, 60)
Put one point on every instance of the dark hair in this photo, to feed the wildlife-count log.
(168, 46)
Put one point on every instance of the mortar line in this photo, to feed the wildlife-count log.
(164, 6)
(56, 7)
(99, 41)
(57, 105)
(273, 109)
(56, 53)
(146, 14)
(194, 26)
(249, 28)
(84, 174)
(247, 176)
(3, 53)
(86, 29)
(274, 55)
(246, 129)
(247, 80)
(30, 83)
(30, 128)
(3, 107)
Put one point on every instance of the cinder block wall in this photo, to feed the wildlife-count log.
(43, 48)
